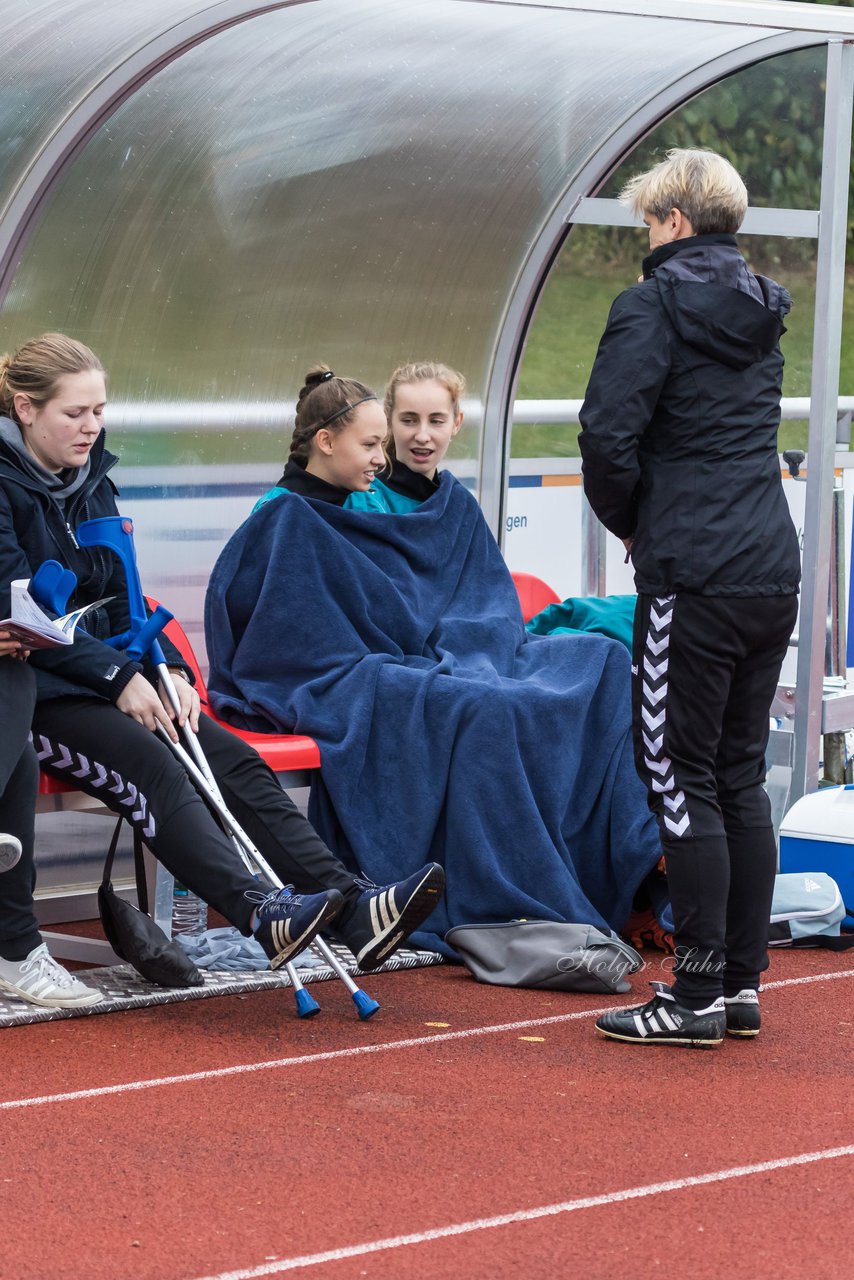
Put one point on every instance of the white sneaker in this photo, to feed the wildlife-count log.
(10, 851)
(40, 980)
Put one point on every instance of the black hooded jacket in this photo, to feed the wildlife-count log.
(679, 425)
(34, 527)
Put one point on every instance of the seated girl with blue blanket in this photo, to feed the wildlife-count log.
(337, 445)
(446, 732)
(422, 407)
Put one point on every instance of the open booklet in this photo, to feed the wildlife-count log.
(33, 627)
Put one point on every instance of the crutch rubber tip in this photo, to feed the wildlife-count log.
(365, 1005)
(307, 1006)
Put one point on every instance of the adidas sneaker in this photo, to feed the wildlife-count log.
(742, 1014)
(288, 922)
(384, 915)
(38, 979)
(664, 1021)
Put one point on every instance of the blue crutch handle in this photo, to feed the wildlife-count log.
(52, 585)
(145, 640)
(116, 533)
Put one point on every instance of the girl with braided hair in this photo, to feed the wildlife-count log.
(337, 445)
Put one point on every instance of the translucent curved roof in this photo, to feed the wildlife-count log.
(217, 194)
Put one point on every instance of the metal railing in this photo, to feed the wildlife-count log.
(217, 415)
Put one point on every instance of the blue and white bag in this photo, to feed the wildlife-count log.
(807, 911)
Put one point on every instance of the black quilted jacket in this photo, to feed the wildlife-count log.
(679, 425)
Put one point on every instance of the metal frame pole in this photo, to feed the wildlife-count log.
(827, 345)
(593, 552)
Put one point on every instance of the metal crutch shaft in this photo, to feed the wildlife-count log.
(366, 1006)
(306, 1004)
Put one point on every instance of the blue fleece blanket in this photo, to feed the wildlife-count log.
(446, 732)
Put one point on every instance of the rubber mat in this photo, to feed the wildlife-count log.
(124, 988)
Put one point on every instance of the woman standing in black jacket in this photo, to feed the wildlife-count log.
(97, 710)
(679, 448)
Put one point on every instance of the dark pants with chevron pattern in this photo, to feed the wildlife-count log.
(704, 673)
(93, 745)
(19, 781)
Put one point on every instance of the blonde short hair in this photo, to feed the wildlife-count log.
(700, 184)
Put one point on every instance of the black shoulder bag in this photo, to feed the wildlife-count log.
(132, 933)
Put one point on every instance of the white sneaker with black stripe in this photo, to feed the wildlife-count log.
(38, 979)
(385, 915)
(663, 1021)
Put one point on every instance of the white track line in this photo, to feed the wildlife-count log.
(279, 1064)
(529, 1215)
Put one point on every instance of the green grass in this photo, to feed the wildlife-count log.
(572, 315)
(558, 357)
(201, 448)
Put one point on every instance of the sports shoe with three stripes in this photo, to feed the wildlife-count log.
(663, 1021)
(38, 979)
(385, 915)
(288, 922)
(742, 1014)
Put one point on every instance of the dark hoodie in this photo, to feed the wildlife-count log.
(679, 425)
(39, 513)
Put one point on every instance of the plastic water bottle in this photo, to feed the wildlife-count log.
(189, 912)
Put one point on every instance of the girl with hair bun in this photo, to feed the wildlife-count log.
(337, 444)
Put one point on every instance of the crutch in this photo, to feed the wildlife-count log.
(116, 533)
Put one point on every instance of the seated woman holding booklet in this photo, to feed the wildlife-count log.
(446, 732)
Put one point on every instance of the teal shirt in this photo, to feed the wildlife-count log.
(398, 504)
(372, 500)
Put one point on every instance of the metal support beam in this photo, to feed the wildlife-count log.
(827, 343)
(596, 211)
(593, 552)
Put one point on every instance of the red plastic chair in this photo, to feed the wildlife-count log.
(534, 594)
(289, 754)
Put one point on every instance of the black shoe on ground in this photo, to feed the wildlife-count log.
(288, 922)
(663, 1021)
(742, 1014)
(385, 915)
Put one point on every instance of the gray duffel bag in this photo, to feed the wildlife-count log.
(545, 954)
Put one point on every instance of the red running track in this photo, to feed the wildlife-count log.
(536, 1150)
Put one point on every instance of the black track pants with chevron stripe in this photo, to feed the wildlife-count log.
(704, 674)
(94, 746)
(19, 780)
